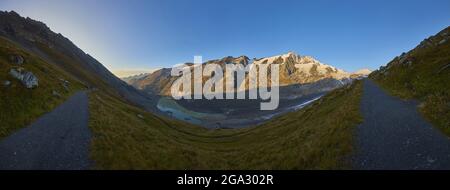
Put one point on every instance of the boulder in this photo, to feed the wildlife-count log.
(6, 83)
(56, 94)
(17, 59)
(28, 79)
(65, 84)
(16, 73)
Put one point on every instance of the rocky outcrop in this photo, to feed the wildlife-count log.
(408, 59)
(27, 78)
(433, 41)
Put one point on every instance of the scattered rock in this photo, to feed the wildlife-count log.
(443, 68)
(63, 80)
(442, 41)
(421, 105)
(56, 94)
(408, 63)
(404, 59)
(66, 88)
(6, 83)
(425, 43)
(98, 98)
(140, 116)
(65, 84)
(27, 78)
(17, 59)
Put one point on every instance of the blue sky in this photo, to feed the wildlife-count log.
(136, 35)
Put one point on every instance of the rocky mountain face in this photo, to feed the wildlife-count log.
(160, 81)
(294, 70)
(36, 37)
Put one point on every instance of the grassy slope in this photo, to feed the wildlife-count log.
(316, 137)
(423, 80)
(20, 106)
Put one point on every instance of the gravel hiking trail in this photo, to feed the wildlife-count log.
(58, 140)
(394, 136)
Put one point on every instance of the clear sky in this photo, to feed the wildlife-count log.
(136, 35)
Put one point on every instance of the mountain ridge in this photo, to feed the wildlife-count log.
(37, 37)
(294, 70)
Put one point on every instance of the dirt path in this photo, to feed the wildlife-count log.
(59, 140)
(395, 136)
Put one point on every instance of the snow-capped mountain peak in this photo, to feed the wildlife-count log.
(364, 72)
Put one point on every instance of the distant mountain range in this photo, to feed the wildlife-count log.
(301, 79)
(294, 70)
(133, 78)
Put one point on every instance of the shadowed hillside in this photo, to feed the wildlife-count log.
(35, 37)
